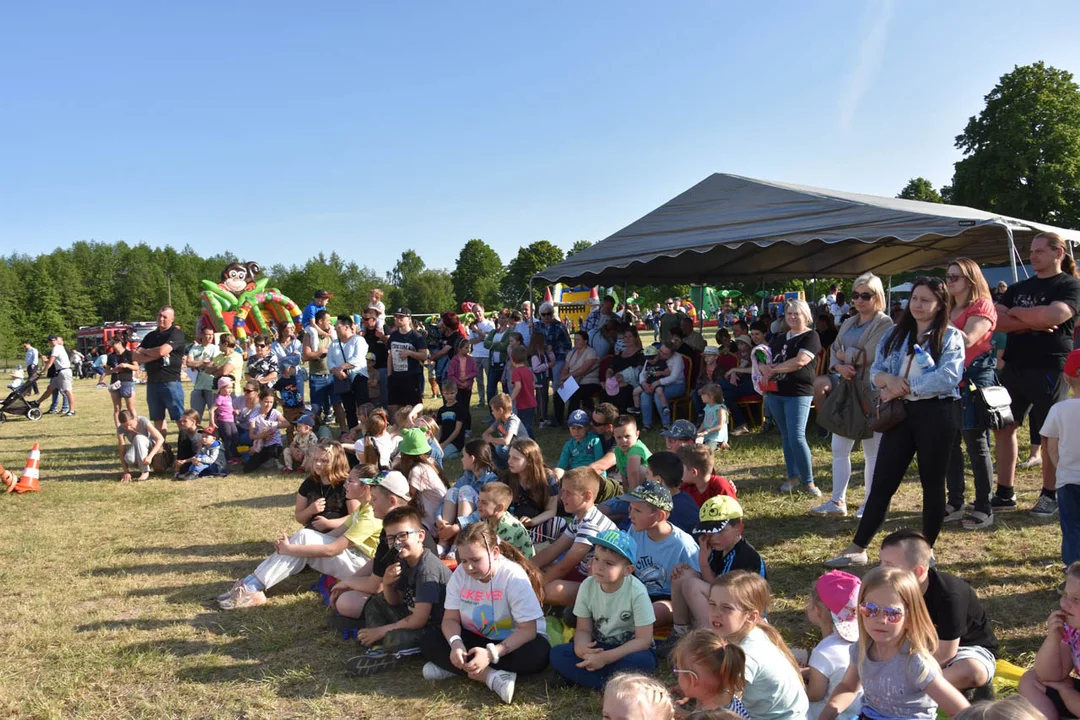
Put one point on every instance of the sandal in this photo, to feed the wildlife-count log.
(953, 513)
(976, 520)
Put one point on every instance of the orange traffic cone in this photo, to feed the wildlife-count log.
(7, 478)
(29, 480)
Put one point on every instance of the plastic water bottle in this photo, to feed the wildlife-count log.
(923, 358)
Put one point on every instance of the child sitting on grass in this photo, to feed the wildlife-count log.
(342, 553)
(320, 500)
(834, 609)
(633, 696)
(714, 428)
(722, 549)
(661, 546)
(209, 461)
(292, 399)
(536, 491)
(302, 446)
(631, 457)
(893, 663)
(699, 480)
(774, 689)
(506, 428)
(187, 441)
(582, 449)
(495, 498)
(425, 479)
(666, 468)
(614, 618)
(1050, 685)
(265, 428)
(459, 503)
(411, 601)
(378, 444)
(565, 562)
(710, 672)
(455, 420)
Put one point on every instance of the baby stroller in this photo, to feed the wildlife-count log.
(17, 404)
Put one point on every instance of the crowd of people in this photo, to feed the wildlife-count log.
(619, 541)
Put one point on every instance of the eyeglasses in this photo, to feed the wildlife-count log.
(953, 278)
(546, 314)
(871, 610)
(862, 296)
(678, 672)
(400, 538)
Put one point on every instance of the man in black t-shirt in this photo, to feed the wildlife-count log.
(1039, 314)
(404, 366)
(376, 342)
(162, 353)
(967, 648)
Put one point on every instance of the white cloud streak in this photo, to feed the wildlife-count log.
(871, 53)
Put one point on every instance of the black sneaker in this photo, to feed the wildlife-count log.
(1000, 504)
(373, 662)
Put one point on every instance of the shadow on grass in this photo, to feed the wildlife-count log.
(199, 566)
(259, 503)
(253, 548)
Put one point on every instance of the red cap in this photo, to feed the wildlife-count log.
(1072, 364)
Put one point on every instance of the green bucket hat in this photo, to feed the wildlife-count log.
(414, 442)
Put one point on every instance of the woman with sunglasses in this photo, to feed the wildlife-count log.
(972, 311)
(851, 354)
(931, 396)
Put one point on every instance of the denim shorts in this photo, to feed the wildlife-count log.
(126, 389)
(165, 397)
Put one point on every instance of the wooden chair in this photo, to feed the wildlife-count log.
(687, 398)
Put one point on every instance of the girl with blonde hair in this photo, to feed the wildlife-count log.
(774, 688)
(633, 696)
(710, 671)
(893, 662)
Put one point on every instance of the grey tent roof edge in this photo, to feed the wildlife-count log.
(728, 212)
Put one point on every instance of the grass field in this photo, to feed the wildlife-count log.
(106, 590)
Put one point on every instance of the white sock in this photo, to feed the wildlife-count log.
(680, 629)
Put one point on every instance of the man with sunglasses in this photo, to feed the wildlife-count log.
(967, 647)
(670, 320)
(558, 339)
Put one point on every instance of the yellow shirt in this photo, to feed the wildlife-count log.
(362, 529)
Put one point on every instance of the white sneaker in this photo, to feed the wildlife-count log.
(861, 510)
(502, 683)
(830, 507)
(435, 673)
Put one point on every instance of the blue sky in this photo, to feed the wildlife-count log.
(276, 129)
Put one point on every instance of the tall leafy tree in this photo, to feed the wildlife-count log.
(430, 291)
(1022, 152)
(530, 260)
(920, 189)
(407, 268)
(578, 246)
(478, 274)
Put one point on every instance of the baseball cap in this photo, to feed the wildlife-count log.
(744, 339)
(225, 382)
(53, 337)
(715, 514)
(839, 591)
(306, 420)
(681, 430)
(1072, 364)
(712, 350)
(393, 481)
(650, 492)
(370, 357)
(209, 430)
(320, 294)
(650, 350)
(403, 311)
(578, 418)
(618, 541)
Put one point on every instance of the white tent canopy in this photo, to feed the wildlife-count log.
(732, 228)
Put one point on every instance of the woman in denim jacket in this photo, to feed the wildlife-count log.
(932, 401)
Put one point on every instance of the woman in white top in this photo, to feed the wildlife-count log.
(583, 365)
(670, 384)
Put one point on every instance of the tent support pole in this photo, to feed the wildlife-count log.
(888, 300)
(1012, 252)
(530, 291)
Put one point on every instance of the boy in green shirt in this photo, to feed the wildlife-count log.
(495, 498)
(631, 457)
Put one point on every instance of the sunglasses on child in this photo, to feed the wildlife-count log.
(891, 614)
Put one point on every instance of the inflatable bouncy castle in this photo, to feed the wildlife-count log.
(243, 306)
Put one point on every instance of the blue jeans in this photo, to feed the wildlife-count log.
(732, 395)
(56, 400)
(165, 397)
(383, 387)
(500, 454)
(526, 417)
(495, 373)
(790, 415)
(671, 392)
(320, 387)
(1068, 497)
(565, 662)
(451, 451)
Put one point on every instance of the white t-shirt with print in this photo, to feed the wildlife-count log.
(495, 609)
(1062, 416)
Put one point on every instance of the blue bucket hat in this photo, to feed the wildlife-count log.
(619, 542)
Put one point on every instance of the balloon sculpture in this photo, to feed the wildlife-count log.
(228, 305)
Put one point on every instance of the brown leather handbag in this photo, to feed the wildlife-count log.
(891, 413)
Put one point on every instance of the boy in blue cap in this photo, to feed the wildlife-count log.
(614, 618)
(582, 449)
